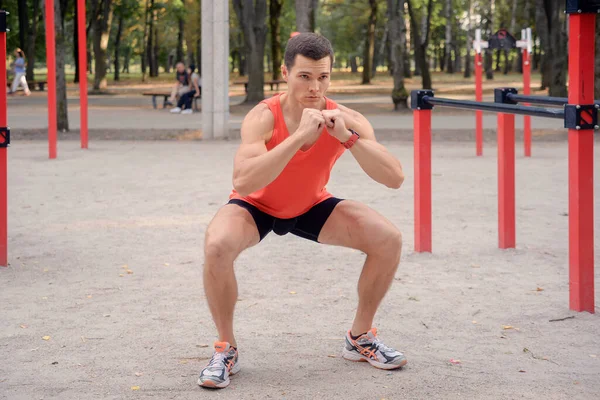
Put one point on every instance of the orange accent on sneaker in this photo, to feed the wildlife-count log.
(220, 346)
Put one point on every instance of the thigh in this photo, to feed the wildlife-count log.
(231, 231)
(356, 225)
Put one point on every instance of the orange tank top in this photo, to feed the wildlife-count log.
(302, 182)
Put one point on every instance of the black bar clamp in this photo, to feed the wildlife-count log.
(581, 116)
(3, 27)
(4, 137)
(582, 6)
(417, 99)
(502, 95)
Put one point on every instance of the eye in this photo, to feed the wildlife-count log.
(304, 76)
(324, 77)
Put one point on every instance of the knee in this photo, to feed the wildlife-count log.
(390, 245)
(217, 250)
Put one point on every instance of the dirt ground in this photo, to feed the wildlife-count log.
(103, 298)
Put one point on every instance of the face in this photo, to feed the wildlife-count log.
(308, 79)
(180, 67)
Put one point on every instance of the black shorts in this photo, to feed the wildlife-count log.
(307, 225)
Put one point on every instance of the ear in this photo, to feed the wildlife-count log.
(284, 72)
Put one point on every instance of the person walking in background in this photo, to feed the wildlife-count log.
(19, 73)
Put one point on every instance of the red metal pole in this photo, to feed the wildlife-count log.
(506, 181)
(422, 143)
(478, 97)
(3, 158)
(83, 96)
(51, 64)
(581, 166)
(526, 91)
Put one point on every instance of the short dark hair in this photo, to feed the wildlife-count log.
(307, 44)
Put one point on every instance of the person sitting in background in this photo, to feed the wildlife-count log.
(19, 73)
(184, 105)
(182, 85)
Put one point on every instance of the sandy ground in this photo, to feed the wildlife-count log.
(105, 263)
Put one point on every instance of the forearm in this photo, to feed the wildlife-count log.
(378, 163)
(257, 172)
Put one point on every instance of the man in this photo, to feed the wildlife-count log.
(181, 86)
(289, 144)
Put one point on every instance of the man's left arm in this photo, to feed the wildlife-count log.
(372, 156)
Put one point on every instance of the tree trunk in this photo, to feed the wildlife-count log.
(513, 31)
(554, 63)
(541, 25)
(145, 41)
(468, 61)
(251, 16)
(102, 25)
(275, 7)
(150, 41)
(305, 16)
(488, 60)
(353, 65)
(62, 117)
(180, 36)
(369, 44)
(156, 46)
(23, 23)
(76, 42)
(118, 47)
(413, 28)
(126, 58)
(31, 36)
(397, 35)
(422, 42)
(448, 46)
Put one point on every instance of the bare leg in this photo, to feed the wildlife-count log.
(231, 231)
(353, 224)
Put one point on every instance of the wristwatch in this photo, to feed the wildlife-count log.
(350, 142)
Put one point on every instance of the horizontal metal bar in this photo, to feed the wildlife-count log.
(497, 107)
(549, 101)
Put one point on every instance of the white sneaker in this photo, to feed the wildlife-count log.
(187, 111)
(223, 363)
(368, 347)
(175, 110)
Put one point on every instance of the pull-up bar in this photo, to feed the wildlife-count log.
(545, 100)
(426, 97)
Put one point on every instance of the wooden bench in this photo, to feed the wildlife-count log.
(166, 96)
(39, 84)
(272, 84)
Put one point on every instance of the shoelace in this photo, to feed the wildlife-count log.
(217, 360)
(381, 346)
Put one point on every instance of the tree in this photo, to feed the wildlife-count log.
(397, 40)
(467, 73)
(251, 15)
(306, 15)
(275, 7)
(421, 41)
(448, 44)
(23, 23)
(31, 37)
(62, 116)
(553, 35)
(369, 44)
(101, 26)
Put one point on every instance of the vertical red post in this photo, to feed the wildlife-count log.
(526, 91)
(506, 181)
(51, 64)
(581, 166)
(3, 154)
(478, 97)
(83, 96)
(422, 144)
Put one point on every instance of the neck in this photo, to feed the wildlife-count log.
(293, 108)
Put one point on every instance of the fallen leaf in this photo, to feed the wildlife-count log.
(45, 269)
(332, 356)
(455, 362)
(138, 374)
(292, 292)
(125, 266)
(507, 327)
(593, 355)
(167, 264)
(539, 289)
(90, 296)
(121, 275)
(44, 298)
(413, 298)
(522, 370)
(106, 315)
(475, 266)
(129, 271)
(135, 388)
(55, 363)
(24, 326)
(46, 337)
(201, 345)
(183, 361)
(474, 322)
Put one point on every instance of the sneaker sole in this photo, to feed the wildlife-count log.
(352, 356)
(214, 385)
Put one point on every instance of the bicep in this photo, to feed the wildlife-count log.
(253, 132)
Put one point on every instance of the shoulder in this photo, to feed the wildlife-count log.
(258, 122)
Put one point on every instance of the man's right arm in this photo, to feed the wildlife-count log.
(254, 166)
